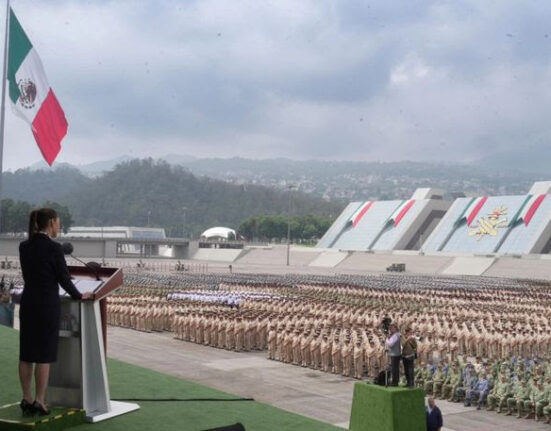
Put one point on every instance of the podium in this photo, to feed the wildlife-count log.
(79, 377)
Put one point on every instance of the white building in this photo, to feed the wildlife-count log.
(131, 232)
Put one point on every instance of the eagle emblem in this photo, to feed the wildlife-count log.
(489, 225)
(27, 90)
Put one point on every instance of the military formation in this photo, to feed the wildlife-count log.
(333, 324)
(482, 341)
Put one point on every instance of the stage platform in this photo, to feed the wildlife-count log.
(58, 419)
(209, 408)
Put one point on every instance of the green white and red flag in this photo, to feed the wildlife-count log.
(528, 209)
(360, 212)
(471, 210)
(31, 95)
(400, 212)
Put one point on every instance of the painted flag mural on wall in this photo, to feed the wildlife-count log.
(360, 212)
(471, 210)
(31, 95)
(527, 210)
(401, 211)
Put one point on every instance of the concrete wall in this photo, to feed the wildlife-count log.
(472, 265)
(378, 262)
(82, 247)
(92, 247)
(526, 267)
(100, 248)
(10, 246)
(329, 259)
(217, 254)
(277, 255)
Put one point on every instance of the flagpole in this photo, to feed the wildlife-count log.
(3, 102)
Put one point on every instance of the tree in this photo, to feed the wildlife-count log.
(134, 189)
(268, 227)
(15, 216)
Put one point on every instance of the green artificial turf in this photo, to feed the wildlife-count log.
(389, 409)
(129, 381)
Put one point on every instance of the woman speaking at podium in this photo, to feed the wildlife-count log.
(44, 270)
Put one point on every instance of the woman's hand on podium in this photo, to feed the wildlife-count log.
(87, 296)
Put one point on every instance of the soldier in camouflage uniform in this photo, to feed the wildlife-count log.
(547, 408)
(452, 382)
(469, 378)
(420, 375)
(435, 382)
(520, 394)
(538, 400)
(499, 394)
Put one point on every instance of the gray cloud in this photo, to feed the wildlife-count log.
(441, 80)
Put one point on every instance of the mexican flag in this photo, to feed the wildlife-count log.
(360, 212)
(528, 209)
(471, 210)
(31, 95)
(401, 211)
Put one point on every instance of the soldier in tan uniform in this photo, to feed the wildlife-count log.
(346, 354)
(239, 335)
(230, 334)
(295, 347)
(305, 349)
(336, 356)
(325, 351)
(358, 359)
(247, 334)
(280, 339)
(289, 346)
(315, 351)
(272, 342)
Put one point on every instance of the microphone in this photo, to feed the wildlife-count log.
(68, 249)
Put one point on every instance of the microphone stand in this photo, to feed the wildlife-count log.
(92, 268)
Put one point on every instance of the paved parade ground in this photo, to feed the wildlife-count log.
(322, 396)
(202, 408)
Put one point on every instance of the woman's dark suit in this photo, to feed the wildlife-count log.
(44, 269)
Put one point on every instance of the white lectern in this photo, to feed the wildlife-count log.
(79, 377)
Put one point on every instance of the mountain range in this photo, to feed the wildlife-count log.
(136, 192)
(349, 180)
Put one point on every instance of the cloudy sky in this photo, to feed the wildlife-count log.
(310, 79)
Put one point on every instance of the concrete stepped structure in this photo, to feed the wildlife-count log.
(387, 225)
(329, 259)
(218, 254)
(473, 265)
(378, 262)
(519, 224)
(538, 267)
(299, 256)
(306, 259)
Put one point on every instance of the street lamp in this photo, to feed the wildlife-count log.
(290, 187)
(148, 218)
(184, 209)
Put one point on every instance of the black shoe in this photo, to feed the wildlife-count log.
(27, 408)
(40, 410)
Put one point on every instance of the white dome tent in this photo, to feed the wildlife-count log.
(219, 233)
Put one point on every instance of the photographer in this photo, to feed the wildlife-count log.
(409, 354)
(394, 346)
